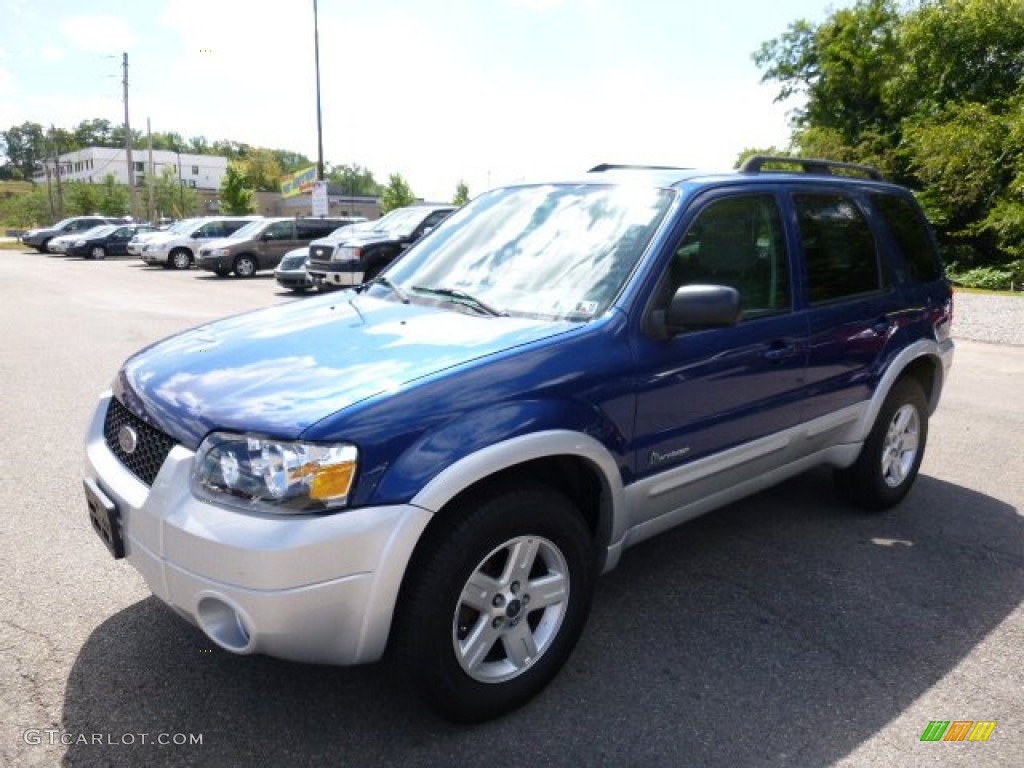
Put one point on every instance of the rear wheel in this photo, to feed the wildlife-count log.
(179, 258)
(495, 600)
(245, 266)
(891, 456)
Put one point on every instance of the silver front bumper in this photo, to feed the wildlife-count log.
(316, 589)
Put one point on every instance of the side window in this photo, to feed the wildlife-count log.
(230, 227)
(312, 229)
(838, 246)
(910, 230)
(738, 242)
(279, 230)
(434, 219)
(207, 231)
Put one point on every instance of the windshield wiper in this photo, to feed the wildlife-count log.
(382, 280)
(462, 296)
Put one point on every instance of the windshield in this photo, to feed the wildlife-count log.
(346, 231)
(183, 227)
(402, 222)
(100, 231)
(250, 230)
(553, 251)
(87, 233)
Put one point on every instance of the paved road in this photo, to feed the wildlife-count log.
(782, 631)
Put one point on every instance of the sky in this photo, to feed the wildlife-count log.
(488, 92)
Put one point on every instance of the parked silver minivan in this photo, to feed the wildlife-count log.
(179, 246)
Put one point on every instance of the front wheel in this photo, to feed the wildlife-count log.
(245, 266)
(891, 457)
(99, 253)
(495, 600)
(179, 259)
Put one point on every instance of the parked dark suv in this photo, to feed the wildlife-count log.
(443, 463)
(40, 238)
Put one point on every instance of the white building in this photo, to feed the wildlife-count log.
(94, 164)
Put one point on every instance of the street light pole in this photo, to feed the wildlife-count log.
(319, 122)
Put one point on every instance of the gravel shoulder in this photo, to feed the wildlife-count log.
(995, 319)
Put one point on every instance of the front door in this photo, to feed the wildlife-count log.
(705, 391)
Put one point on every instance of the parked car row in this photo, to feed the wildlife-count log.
(40, 238)
(305, 253)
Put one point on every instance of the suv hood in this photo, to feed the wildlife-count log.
(280, 370)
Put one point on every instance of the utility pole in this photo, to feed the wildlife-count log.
(133, 204)
(319, 123)
(56, 163)
(149, 173)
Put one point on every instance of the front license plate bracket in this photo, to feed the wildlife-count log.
(105, 519)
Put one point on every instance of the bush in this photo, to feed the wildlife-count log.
(990, 278)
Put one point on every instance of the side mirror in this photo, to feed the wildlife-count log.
(696, 307)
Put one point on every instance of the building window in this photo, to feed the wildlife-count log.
(139, 167)
(195, 170)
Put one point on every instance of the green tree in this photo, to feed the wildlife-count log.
(172, 198)
(355, 180)
(397, 194)
(25, 148)
(235, 197)
(112, 199)
(26, 209)
(461, 194)
(930, 92)
(262, 170)
(81, 199)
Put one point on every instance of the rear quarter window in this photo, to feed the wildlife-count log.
(910, 230)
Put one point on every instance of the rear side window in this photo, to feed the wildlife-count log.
(314, 228)
(839, 248)
(910, 230)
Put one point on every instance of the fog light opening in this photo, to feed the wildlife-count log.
(225, 625)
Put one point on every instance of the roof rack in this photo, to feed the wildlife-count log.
(614, 167)
(756, 163)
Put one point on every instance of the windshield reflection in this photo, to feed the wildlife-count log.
(552, 251)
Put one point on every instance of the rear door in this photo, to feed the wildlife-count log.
(853, 307)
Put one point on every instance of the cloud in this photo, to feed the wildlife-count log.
(6, 82)
(52, 53)
(99, 34)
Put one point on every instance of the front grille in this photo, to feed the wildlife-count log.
(152, 445)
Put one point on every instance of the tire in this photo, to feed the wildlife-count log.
(891, 457)
(480, 655)
(98, 252)
(44, 247)
(245, 266)
(222, 272)
(179, 258)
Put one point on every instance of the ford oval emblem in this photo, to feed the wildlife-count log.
(128, 439)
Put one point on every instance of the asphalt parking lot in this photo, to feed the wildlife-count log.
(786, 630)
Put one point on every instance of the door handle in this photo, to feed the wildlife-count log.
(779, 350)
(882, 326)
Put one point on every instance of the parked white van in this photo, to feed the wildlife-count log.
(177, 247)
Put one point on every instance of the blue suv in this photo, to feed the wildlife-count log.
(441, 462)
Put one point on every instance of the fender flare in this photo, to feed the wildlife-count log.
(488, 461)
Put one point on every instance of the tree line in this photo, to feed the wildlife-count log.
(26, 147)
(932, 93)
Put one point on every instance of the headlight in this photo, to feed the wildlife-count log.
(79, 243)
(220, 252)
(348, 253)
(275, 476)
(151, 248)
